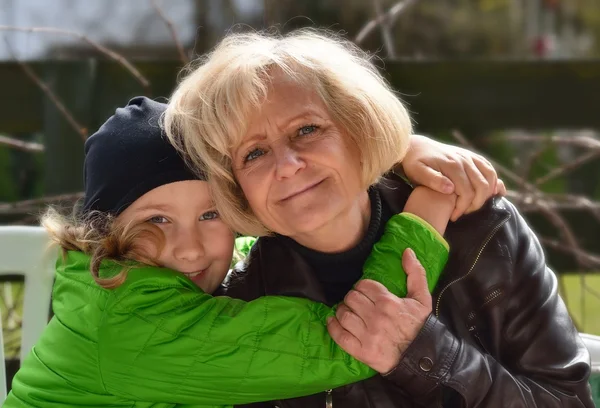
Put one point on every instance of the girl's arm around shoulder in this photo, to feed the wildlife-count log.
(164, 340)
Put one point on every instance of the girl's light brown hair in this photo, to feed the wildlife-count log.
(208, 114)
(101, 237)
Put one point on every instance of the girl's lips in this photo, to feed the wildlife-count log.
(198, 278)
(193, 274)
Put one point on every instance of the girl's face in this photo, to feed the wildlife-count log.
(197, 243)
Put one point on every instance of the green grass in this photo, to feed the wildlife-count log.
(584, 306)
(11, 331)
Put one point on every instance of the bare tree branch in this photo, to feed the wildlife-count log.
(529, 202)
(550, 213)
(592, 259)
(28, 220)
(386, 32)
(559, 171)
(501, 169)
(99, 47)
(593, 207)
(81, 130)
(30, 205)
(585, 142)
(561, 224)
(184, 58)
(532, 158)
(21, 145)
(390, 16)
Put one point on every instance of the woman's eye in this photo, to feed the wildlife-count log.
(209, 215)
(253, 154)
(307, 130)
(158, 219)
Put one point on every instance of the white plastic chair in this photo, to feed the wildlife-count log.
(25, 251)
(593, 345)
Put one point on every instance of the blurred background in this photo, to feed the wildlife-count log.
(517, 80)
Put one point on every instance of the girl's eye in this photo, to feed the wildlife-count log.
(253, 154)
(209, 215)
(307, 130)
(158, 219)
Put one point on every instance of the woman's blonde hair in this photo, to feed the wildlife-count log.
(101, 237)
(209, 112)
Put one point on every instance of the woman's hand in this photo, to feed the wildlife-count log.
(450, 169)
(376, 327)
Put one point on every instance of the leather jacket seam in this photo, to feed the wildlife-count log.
(451, 357)
(455, 385)
(416, 349)
(410, 354)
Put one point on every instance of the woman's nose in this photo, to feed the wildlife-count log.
(288, 162)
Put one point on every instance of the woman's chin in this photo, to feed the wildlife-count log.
(306, 223)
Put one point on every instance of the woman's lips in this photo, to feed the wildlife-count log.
(302, 191)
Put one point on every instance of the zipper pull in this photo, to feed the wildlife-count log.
(328, 399)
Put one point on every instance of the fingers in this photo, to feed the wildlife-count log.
(343, 338)
(370, 299)
(486, 169)
(429, 177)
(483, 186)
(356, 299)
(500, 188)
(350, 321)
(416, 281)
(463, 189)
(370, 290)
(455, 169)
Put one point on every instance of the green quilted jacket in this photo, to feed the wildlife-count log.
(159, 341)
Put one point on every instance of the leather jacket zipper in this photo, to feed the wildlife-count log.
(485, 242)
(328, 399)
(492, 296)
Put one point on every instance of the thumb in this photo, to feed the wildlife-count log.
(416, 280)
(500, 188)
(425, 175)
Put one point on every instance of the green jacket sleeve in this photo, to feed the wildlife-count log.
(163, 340)
(401, 232)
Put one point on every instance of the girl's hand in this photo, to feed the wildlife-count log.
(449, 169)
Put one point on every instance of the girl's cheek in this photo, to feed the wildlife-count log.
(151, 245)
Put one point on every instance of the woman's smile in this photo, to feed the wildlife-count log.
(303, 181)
(301, 192)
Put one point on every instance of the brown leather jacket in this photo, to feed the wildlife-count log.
(499, 335)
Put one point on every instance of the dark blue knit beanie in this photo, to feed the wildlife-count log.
(128, 156)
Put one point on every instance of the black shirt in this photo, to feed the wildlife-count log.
(338, 272)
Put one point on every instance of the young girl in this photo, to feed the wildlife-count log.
(142, 330)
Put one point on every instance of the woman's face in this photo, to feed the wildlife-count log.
(196, 241)
(297, 168)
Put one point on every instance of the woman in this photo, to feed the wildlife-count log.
(298, 134)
